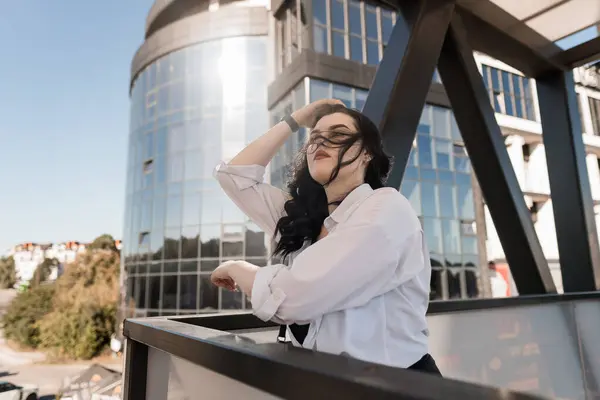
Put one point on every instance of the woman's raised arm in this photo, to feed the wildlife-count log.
(242, 178)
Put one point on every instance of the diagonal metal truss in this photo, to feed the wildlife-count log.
(569, 182)
(398, 93)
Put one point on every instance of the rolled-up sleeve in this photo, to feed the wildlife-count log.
(363, 258)
(265, 302)
(261, 202)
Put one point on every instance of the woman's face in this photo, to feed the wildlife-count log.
(325, 143)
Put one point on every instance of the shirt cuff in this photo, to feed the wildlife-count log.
(244, 176)
(264, 302)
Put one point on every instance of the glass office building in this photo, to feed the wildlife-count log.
(190, 108)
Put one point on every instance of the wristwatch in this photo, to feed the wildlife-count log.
(288, 119)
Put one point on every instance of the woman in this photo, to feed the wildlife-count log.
(357, 277)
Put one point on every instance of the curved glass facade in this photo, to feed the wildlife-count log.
(190, 109)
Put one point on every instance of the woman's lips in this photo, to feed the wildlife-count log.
(321, 155)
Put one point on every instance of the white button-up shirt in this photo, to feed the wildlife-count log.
(363, 288)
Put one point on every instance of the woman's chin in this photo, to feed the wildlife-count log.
(321, 177)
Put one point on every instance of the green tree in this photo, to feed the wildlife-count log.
(8, 272)
(20, 322)
(84, 306)
(103, 242)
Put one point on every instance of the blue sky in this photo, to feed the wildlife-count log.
(64, 116)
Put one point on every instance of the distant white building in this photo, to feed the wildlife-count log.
(28, 256)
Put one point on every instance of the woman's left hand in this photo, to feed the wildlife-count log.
(221, 276)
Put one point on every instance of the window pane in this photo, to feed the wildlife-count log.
(451, 236)
(319, 90)
(190, 242)
(466, 207)
(516, 81)
(441, 122)
(320, 11)
(469, 245)
(191, 209)
(343, 93)
(372, 53)
(209, 294)
(424, 146)
(507, 93)
(371, 22)
(354, 17)
(337, 14)
(433, 232)
(169, 299)
(437, 277)
(173, 211)
(320, 39)
(176, 139)
(175, 168)
(154, 291)
(338, 47)
(447, 208)
(471, 277)
(210, 242)
(356, 53)
(429, 199)
(188, 291)
(361, 98)
(410, 190)
(443, 149)
(255, 241)
(453, 276)
(495, 79)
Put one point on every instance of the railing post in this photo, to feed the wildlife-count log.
(136, 367)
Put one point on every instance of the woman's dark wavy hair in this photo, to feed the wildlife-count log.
(308, 206)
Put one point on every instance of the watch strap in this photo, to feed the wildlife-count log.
(288, 119)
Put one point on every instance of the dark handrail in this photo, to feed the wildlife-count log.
(294, 373)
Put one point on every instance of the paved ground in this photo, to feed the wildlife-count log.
(28, 367)
(48, 378)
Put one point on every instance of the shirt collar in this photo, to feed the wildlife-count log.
(352, 200)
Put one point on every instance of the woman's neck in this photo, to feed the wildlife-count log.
(337, 192)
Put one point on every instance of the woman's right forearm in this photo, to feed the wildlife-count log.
(263, 149)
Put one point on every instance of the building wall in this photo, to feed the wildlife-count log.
(190, 108)
(526, 151)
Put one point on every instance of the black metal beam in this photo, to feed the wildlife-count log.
(135, 373)
(569, 183)
(497, 43)
(402, 81)
(580, 55)
(485, 146)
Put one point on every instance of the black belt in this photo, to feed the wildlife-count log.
(299, 332)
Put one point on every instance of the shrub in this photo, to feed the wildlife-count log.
(103, 242)
(21, 319)
(8, 273)
(84, 312)
(79, 334)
